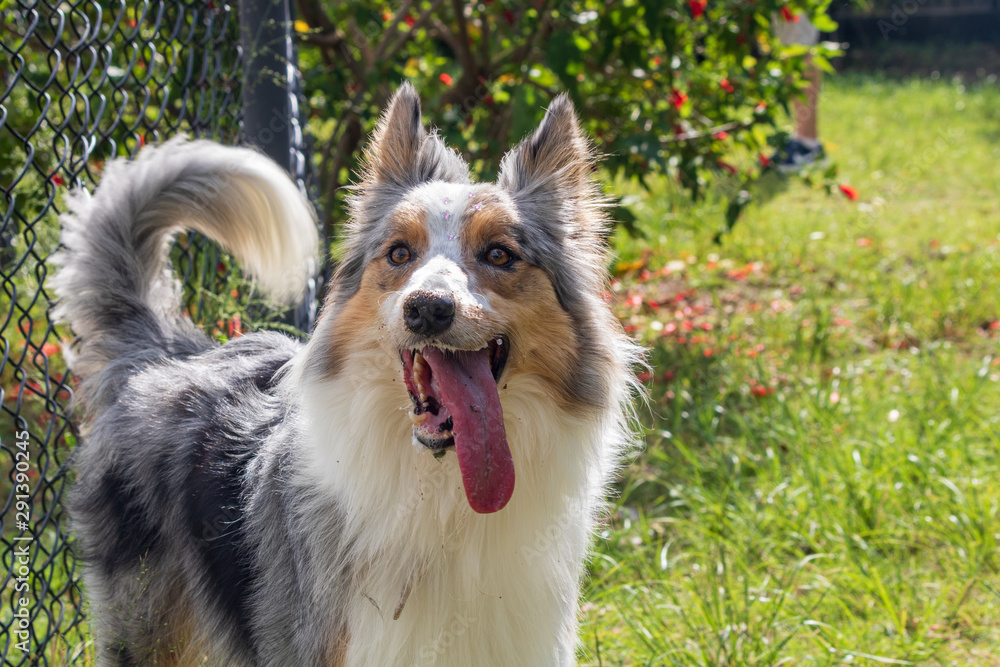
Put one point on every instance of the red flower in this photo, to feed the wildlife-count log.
(765, 161)
(864, 242)
(58, 180)
(788, 16)
(509, 15)
(678, 98)
(721, 136)
(851, 193)
(409, 20)
(445, 78)
(759, 390)
(50, 349)
(644, 376)
(697, 7)
(235, 326)
(634, 300)
(726, 86)
(727, 167)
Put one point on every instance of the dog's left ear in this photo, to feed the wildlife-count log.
(555, 162)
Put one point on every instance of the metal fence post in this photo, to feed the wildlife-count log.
(271, 114)
(81, 84)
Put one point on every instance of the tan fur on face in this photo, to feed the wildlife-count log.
(543, 342)
(358, 319)
(407, 225)
(541, 332)
(491, 224)
(359, 315)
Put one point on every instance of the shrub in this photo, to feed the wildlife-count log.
(663, 87)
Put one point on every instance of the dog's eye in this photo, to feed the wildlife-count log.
(499, 256)
(399, 254)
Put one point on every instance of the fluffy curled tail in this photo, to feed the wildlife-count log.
(114, 285)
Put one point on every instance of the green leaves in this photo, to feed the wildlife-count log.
(652, 80)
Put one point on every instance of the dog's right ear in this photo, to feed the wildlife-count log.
(393, 154)
(402, 153)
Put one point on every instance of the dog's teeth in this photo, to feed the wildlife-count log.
(448, 434)
(418, 419)
(418, 369)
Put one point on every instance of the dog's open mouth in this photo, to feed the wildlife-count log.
(456, 403)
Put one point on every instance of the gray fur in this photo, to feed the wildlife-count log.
(115, 287)
(157, 388)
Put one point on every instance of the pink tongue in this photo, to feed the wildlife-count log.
(468, 390)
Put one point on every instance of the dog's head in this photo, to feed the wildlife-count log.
(465, 287)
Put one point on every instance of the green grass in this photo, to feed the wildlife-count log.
(821, 478)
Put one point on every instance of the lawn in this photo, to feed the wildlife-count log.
(820, 482)
(821, 476)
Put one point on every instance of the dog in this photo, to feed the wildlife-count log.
(415, 485)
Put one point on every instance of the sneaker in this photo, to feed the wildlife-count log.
(797, 153)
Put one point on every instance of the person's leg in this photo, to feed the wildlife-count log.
(804, 146)
(806, 110)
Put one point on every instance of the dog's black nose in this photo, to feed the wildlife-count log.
(428, 313)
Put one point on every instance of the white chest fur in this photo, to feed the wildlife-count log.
(479, 590)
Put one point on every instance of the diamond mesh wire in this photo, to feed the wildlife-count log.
(83, 82)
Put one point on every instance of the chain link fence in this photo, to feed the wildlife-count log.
(84, 82)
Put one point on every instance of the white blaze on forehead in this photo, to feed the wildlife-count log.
(444, 206)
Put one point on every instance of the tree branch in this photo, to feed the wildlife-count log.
(725, 127)
(464, 52)
(403, 37)
(393, 32)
